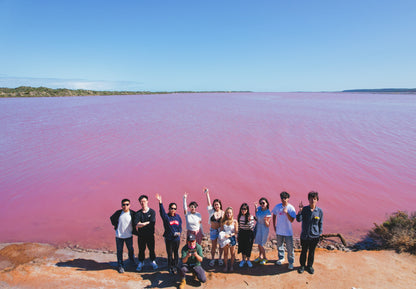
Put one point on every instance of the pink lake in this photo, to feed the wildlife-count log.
(67, 162)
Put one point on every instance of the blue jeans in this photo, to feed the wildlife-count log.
(129, 245)
(289, 247)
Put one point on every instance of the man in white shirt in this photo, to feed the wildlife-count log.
(122, 220)
(283, 216)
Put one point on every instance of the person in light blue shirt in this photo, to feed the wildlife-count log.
(263, 217)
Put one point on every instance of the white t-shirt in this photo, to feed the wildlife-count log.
(125, 227)
(193, 221)
(283, 225)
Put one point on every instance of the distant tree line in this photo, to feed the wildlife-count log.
(384, 90)
(28, 91)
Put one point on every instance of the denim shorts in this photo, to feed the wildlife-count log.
(214, 233)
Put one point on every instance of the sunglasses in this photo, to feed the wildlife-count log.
(171, 208)
(262, 203)
(243, 209)
(126, 205)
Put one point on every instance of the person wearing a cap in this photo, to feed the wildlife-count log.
(191, 261)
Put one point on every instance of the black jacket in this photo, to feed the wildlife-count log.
(114, 220)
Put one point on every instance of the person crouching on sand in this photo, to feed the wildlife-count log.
(227, 238)
(191, 261)
(215, 216)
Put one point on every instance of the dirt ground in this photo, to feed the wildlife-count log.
(31, 265)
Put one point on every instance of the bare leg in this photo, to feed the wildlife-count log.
(213, 248)
(226, 258)
(262, 252)
(232, 253)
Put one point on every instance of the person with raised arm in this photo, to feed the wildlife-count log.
(263, 217)
(172, 224)
(283, 216)
(311, 217)
(193, 219)
(227, 238)
(215, 216)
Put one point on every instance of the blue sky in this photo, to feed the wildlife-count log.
(169, 45)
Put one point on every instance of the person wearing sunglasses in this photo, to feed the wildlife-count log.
(263, 217)
(122, 220)
(283, 216)
(193, 220)
(172, 223)
(245, 237)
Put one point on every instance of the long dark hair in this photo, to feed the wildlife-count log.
(264, 199)
(247, 215)
(217, 201)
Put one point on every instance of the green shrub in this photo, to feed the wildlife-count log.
(398, 232)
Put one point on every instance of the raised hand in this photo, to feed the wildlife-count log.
(159, 198)
(300, 205)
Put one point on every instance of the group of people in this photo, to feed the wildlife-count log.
(226, 232)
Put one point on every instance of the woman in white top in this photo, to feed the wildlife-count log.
(215, 216)
(229, 227)
(193, 220)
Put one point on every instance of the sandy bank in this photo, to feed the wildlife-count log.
(32, 265)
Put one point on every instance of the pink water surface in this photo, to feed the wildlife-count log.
(67, 162)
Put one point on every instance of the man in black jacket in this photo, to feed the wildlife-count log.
(122, 220)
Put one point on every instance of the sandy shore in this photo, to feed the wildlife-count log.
(31, 265)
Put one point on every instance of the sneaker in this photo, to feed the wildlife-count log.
(212, 263)
(249, 264)
(263, 261)
(220, 262)
(120, 270)
(242, 263)
(290, 267)
(154, 265)
(257, 260)
(301, 269)
(310, 270)
(280, 262)
(182, 284)
(139, 266)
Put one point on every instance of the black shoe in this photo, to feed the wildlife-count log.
(120, 270)
(301, 269)
(310, 269)
(171, 271)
